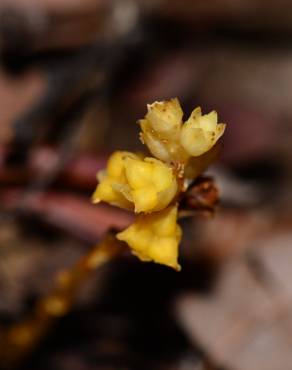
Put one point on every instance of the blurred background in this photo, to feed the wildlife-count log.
(75, 77)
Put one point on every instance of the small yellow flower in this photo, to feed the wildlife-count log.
(155, 237)
(111, 179)
(165, 117)
(161, 129)
(152, 184)
(200, 133)
(147, 185)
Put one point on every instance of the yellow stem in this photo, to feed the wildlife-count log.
(20, 339)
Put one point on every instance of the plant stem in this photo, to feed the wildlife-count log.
(20, 339)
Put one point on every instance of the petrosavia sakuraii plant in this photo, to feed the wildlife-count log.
(152, 186)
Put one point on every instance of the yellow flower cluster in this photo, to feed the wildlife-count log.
(171, 140)
(143, 184)
(150, 186)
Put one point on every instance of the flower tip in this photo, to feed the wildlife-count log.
(173, 264)
(95, 199)
(213, 116)
(197, 112)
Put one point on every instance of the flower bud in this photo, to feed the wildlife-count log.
(155, 237)
(152, 184)
(200, 133)
(113, 175)
(165, 117)
(145, 185)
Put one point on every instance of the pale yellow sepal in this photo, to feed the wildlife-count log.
(197, 165)
(155, 237)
